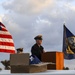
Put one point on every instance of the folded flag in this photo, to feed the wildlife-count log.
(68, 44)
(34, 60)
(6, 41)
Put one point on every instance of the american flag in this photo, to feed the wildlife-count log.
(6, 41)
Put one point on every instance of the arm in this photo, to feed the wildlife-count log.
(33, 51)
(43, 49)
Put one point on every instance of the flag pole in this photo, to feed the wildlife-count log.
(63, 36)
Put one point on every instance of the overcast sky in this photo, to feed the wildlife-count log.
(27, 18)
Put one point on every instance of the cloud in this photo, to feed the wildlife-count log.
(42, 23)
(70, 6)
(48, 21)
(27, 6)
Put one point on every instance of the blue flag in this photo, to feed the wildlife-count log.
(34, 60)
(68, 44)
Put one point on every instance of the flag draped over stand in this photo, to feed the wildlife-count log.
(6, 41)
(68, 44)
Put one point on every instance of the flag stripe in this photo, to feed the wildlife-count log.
(6, 40)
(5, 32)
(6, 44)
(7, 51)
(7, 47)
(5, 36)
(3, 29)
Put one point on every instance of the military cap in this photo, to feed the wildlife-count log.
(19, 49)
(39, 37)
